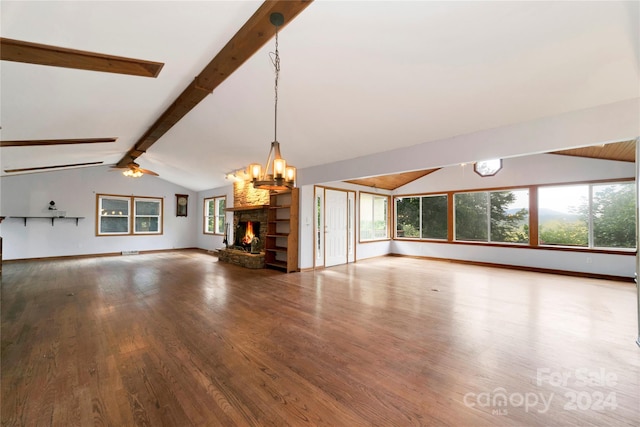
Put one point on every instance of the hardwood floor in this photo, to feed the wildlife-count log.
(178, 339)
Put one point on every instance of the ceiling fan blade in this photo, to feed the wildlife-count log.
(42, 54)
(148, 172)
(52, 167)
(38, 142)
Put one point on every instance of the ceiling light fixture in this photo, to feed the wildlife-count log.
(276, 176)
(132, 173)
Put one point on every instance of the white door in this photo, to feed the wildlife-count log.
(336, 230)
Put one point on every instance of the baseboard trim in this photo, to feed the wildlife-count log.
(106, 254)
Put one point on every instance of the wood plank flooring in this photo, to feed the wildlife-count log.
(178, 339)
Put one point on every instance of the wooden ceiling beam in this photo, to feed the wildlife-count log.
(42, 54)
(42, 168)
(39, 142)
(248, 40)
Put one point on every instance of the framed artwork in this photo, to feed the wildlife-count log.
(182, 201)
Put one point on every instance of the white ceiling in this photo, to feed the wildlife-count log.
(357, 78)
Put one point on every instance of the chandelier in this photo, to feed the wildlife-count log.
(276, 175)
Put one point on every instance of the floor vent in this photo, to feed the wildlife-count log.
(130, 252)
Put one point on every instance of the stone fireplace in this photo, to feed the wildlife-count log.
(247, 224)
(249, 220)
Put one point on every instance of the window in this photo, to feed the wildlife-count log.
(588, 215)
(214, 215)
(408, 217)
(374, 217)
(422, 217)
(488, 167)
(613, 213)
(562, 215)
(598, 215)
(492, 216)
(115, 216)
(434, 217)
(148, 217)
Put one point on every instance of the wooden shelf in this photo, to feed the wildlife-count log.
(278, 249)
(52, 218)
(246, 208)
(281, 246)
(277, 264)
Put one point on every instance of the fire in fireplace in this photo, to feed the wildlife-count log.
(245, 233)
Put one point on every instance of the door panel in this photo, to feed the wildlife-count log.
(336, 232)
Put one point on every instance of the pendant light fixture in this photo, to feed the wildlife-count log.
(276, 175)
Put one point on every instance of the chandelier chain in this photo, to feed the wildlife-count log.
(276, 64)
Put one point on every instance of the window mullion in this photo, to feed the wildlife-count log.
(488, 216)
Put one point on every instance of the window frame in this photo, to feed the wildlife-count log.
(533, 218)
(489, 220)
(216, 216)
(590, 224)
(131, 215)
(387, 219)
(135, 215)
(420, 197)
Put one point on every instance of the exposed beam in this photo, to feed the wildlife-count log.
(42, 54)
(38, 142)
(247, 41)
(51, 167)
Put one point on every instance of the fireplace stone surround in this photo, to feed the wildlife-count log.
(238, 256)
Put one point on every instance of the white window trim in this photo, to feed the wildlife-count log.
(216, 217)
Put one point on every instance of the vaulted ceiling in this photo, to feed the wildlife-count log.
(357, 78)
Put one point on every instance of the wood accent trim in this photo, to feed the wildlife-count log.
(245, 208)
(38, 142)
(522, 268)
(42, 54)
(391, 181)
(534, 224)
(52, 167)
(450, 218)
(624, 151)
(248, 40)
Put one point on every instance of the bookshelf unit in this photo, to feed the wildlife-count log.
(281, 247)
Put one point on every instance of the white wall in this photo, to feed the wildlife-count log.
(74, 191)
(607, 123)
(210, 241)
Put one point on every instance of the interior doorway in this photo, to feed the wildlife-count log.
(334, 227)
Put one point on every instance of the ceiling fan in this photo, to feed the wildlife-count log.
(133, 170)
